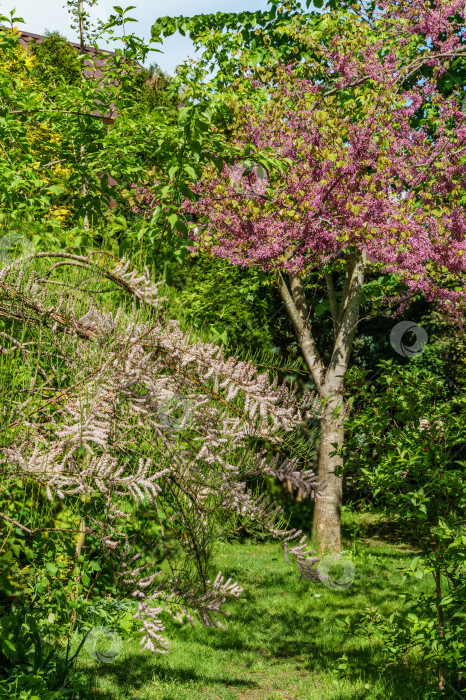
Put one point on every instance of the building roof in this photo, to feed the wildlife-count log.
(26, 38)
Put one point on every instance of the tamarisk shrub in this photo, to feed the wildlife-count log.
(88, 419)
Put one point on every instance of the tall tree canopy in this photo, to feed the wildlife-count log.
(373, 170)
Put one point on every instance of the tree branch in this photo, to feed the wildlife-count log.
(298, 314)
(15, 522)
(333, 301)
(349, 314)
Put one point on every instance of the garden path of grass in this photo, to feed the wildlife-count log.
(282, 639)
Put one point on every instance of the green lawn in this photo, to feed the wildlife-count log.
(282, 639)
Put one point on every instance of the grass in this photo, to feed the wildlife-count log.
(282, 639)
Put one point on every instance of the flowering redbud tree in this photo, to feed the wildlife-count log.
(375, 159)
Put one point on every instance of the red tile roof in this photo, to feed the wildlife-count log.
(26, 38)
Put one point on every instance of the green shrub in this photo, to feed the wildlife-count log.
(56, 60)
(407, 440)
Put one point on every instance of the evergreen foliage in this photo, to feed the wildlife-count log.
(55, 60)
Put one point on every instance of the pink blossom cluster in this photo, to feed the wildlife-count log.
(106, 437)
(441, 23)
(385, 175)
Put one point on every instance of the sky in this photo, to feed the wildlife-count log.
(40, 15)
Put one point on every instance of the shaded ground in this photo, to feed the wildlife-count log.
(282, 640)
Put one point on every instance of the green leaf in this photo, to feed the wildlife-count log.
(55, 189)
(181, 227)
(51, 569)
(172, 219)
(173, 170)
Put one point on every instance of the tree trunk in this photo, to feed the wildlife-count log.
(81, 25)
(83, 77)
(326, 530)
(329, 381)
(440, 621)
